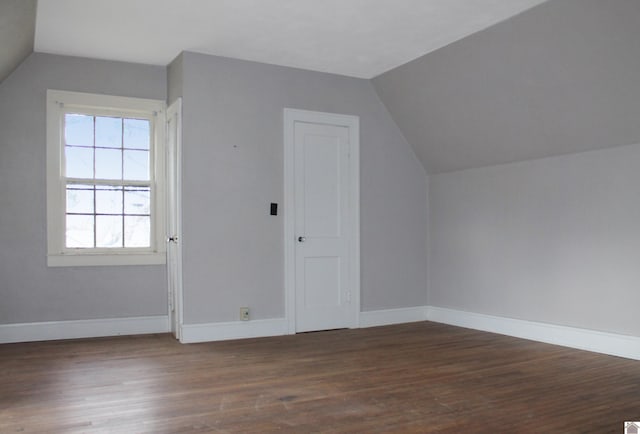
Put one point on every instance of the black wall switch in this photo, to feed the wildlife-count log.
(274, 209)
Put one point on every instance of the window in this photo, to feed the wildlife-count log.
(105, 174)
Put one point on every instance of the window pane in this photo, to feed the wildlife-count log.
(136, 133)
(108, 231)
(136, 165)
(78, 162)
(79, 199)
(108, 164)
(137, 231)
(108, 132)
(137, 201)
(108, 200)
(78, 130)
(79, 231)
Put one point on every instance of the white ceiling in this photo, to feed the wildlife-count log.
(360, 38)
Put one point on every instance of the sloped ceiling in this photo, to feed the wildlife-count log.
(560, 78)
(360, 38)
(17, 24)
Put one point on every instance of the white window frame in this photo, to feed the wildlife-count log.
(60, 103)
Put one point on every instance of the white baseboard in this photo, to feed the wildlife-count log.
(53, 330)
(392, 316)
(583, 339)
(221, 331)
(590, 340)
(209, 332)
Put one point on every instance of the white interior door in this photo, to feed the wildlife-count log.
(174, 250)
(322, 220)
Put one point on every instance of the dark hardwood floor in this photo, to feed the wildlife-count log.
(421, 377)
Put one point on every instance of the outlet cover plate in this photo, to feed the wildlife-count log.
(244, 314)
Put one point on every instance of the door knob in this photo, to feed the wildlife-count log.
(173, 239)
(302, 239)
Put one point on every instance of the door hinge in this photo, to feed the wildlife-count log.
(348, 296)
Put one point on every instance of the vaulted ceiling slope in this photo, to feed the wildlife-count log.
(359, 38)
(17, 24)
(560, 78)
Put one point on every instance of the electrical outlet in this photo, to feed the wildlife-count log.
(244, 314)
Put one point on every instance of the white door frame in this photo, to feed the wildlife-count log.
(174, 111)
(291, 116)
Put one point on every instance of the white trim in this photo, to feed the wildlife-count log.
(289, 225)
(221, 331)
(61, 102)
(103, 103)
(177, 299)
(93, 259)
(353, 123)
(392, 316)
(583, 339)
(92, 328)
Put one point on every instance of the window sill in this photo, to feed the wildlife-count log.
(97, 259)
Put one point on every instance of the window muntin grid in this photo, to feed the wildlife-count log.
(108, 182)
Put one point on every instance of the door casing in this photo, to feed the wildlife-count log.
(174, 218)
(291, 116)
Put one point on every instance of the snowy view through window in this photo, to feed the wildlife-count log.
(108, 183)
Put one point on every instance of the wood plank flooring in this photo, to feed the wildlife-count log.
(420, 377)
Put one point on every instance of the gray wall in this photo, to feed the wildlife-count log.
(17, 30)
(552, 240)
(559, 78)
(31, 292)
(233, 169)
(174, 79)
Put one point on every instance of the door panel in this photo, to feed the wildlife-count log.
(321, 183)
(322, 282)
(174, 253)
(321, 156)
